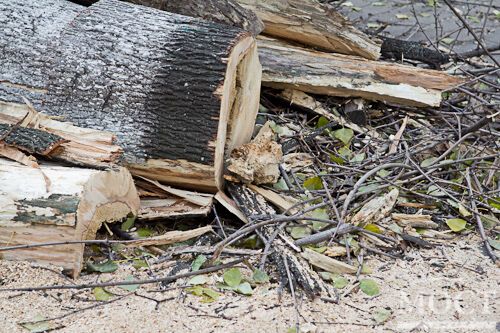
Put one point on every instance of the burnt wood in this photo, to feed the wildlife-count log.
(30, 140)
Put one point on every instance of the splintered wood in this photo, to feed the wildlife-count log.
(59, 204)
(289, 67)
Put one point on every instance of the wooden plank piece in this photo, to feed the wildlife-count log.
(290, 67)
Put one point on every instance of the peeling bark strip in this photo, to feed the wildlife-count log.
(30, 140)
(165, 84)
(288, 67)
(225, 12)
(311, 23)
(59, 204)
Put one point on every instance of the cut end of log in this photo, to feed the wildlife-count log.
(240, 96)
(60, 204)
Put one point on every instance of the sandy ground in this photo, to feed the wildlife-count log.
(452, 288)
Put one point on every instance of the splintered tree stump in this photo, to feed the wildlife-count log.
(59, 204)
(178, 92)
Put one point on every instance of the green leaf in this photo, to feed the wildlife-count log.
(198, 262)
(383, 173)
(139, 263)
(435, 191)
(345, 152)
(144, 232)
(474, 19)
(373, 228)
(232, 277)
(129, 287)
(245, 288)
(207, 295)
(369, 287)
(428, 161)
(463, 211)
(494, 244)
(379, 3)
(456, 225)
(197, 280)
(431, 3)
(402, 16)
(322, 121)
(368, 188)
(327, 276)
(373, 25)
(344, 134)
(381, 315)
(340, 282)
(129, 223)
(100, 294)
(313, 183)
(281, 185)
(38, 325)
(448, 40)
(106, 267)
(489, 221)
(336, 159)
(494, 202)
(299, 232)
(358, 158)
(260, 276)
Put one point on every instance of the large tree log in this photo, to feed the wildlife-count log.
(314, 24)
(175, 90)
(225, 12)
(288, 67)
(59, 204)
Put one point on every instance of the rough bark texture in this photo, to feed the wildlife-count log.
(80, 146)
(311, 23)
(59, 204)
(163, 83)
(401, 49)
(225, 12)
(291, 67)
(29, 140)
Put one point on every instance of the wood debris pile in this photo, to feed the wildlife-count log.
(127, 115)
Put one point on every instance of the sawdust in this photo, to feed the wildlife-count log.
(452, 288)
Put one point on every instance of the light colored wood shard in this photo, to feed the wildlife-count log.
(59, 204)
(326, 263)
(414, 220)
(156, 209)
(376, 209)
(170, 237)
(290, 67)
(284, 204)
(314, 24)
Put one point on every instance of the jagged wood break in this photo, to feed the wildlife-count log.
(178, 92)
(311, 23)
(289, 67)
(59, 204)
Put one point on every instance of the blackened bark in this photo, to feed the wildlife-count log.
(148, 76)
(29, 140)
(397, 49)
(220, 11)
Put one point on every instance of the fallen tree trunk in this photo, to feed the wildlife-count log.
(59, 204)
(288, 67)
(311, 23)
(225, 12)
(178, 92)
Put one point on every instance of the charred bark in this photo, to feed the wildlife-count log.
(225, 12)
(165, 84)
